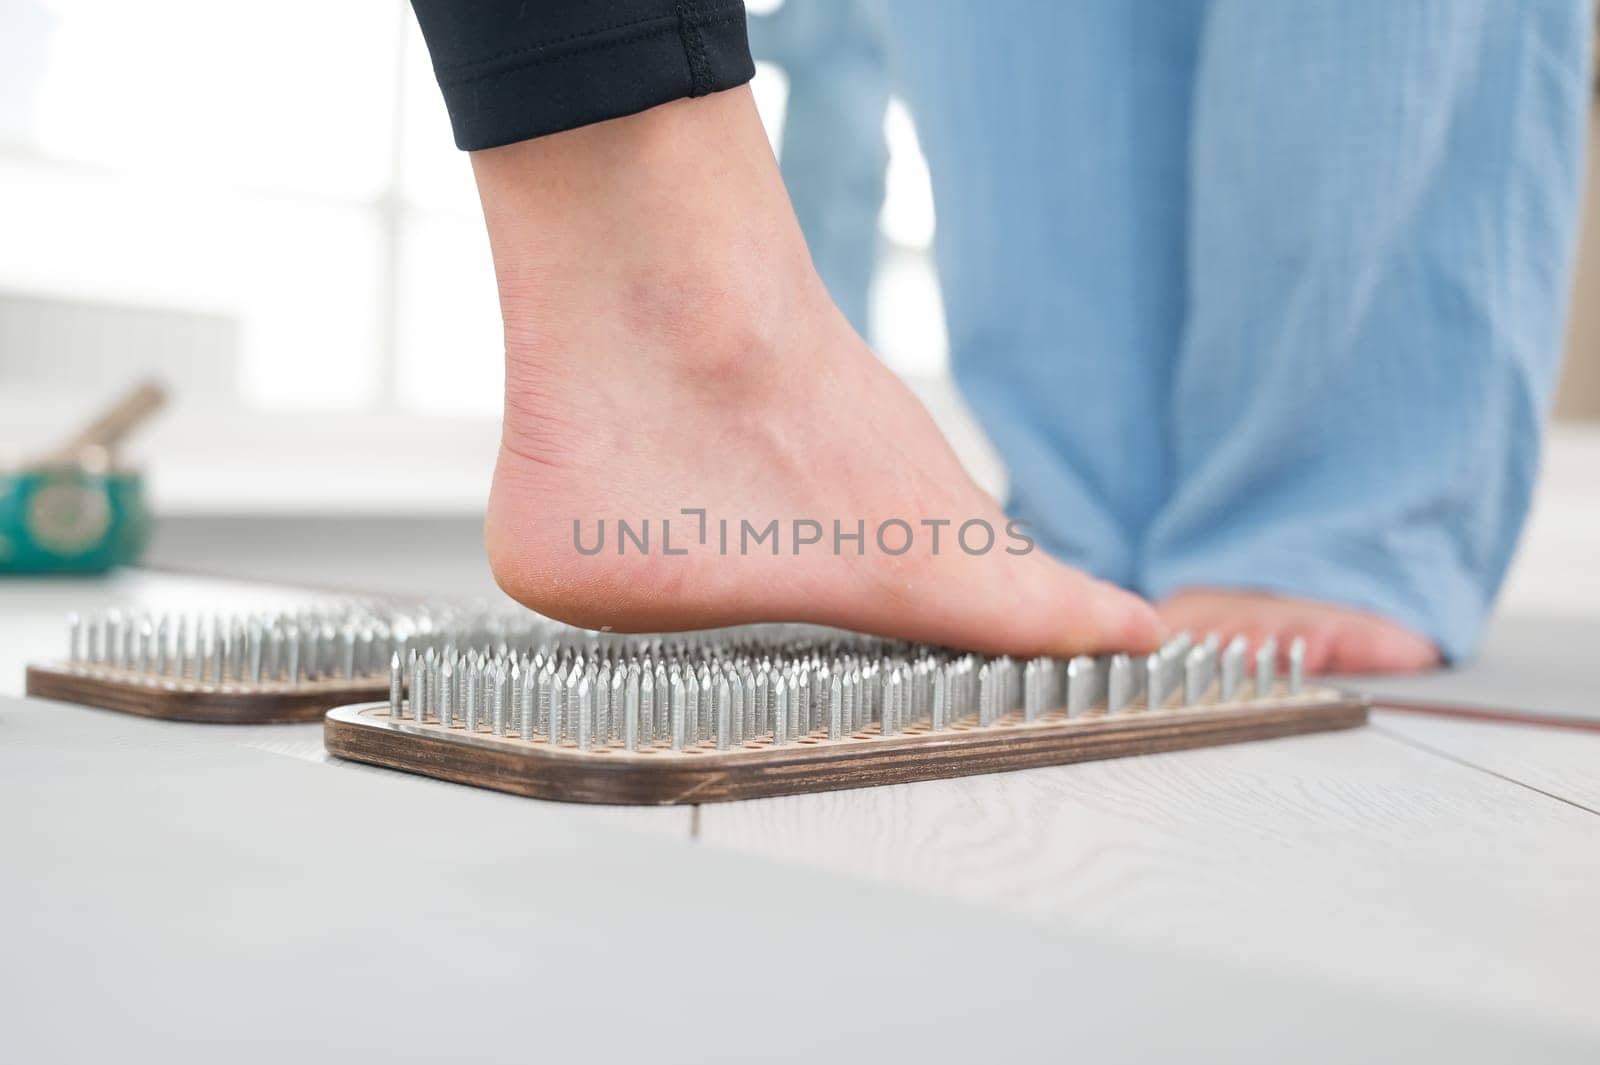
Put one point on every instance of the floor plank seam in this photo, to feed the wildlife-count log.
(1466, 763)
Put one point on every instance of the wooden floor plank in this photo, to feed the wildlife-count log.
(1561, 762)
(188, 901)
(1351, 855)
(1529, 665)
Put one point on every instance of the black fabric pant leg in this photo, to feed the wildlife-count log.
(515, 69)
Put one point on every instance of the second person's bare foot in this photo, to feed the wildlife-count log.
(1338, 639)
(669, 347)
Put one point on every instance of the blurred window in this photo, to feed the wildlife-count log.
(284, 217)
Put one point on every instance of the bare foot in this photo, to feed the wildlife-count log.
(669, 346)
(1338, 639)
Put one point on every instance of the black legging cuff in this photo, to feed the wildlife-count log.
(515, 69)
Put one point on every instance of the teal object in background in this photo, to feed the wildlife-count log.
(71, 521)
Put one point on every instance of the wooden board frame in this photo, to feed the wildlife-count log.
(172, 699)
(659, 777)
(1485, 713)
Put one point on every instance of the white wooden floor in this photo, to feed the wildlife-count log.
(1356, 855)
(1430, 859)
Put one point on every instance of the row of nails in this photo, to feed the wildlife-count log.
(350, 642)
(638, 693)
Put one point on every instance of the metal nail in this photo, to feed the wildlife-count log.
(1082, 685)
(780, 720)
(497, 700)
(447, 692)
(396, 683)
(585, 706)
(1197, 669)
(1266, 667)
(679, 711)
(1233, 667)
(528, 703)
(1121, 684)
(631, 698)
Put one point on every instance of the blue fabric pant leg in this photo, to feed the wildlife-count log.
(1382, 209)
(832, 151)
(1057, 139)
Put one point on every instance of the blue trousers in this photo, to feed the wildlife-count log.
(833, 152)
(1256, 293)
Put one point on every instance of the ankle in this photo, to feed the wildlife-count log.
(674, 201)
(716, 324)
(665, 237)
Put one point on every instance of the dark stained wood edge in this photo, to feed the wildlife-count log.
(229, 705)
(535, 771)
(1484, 713)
